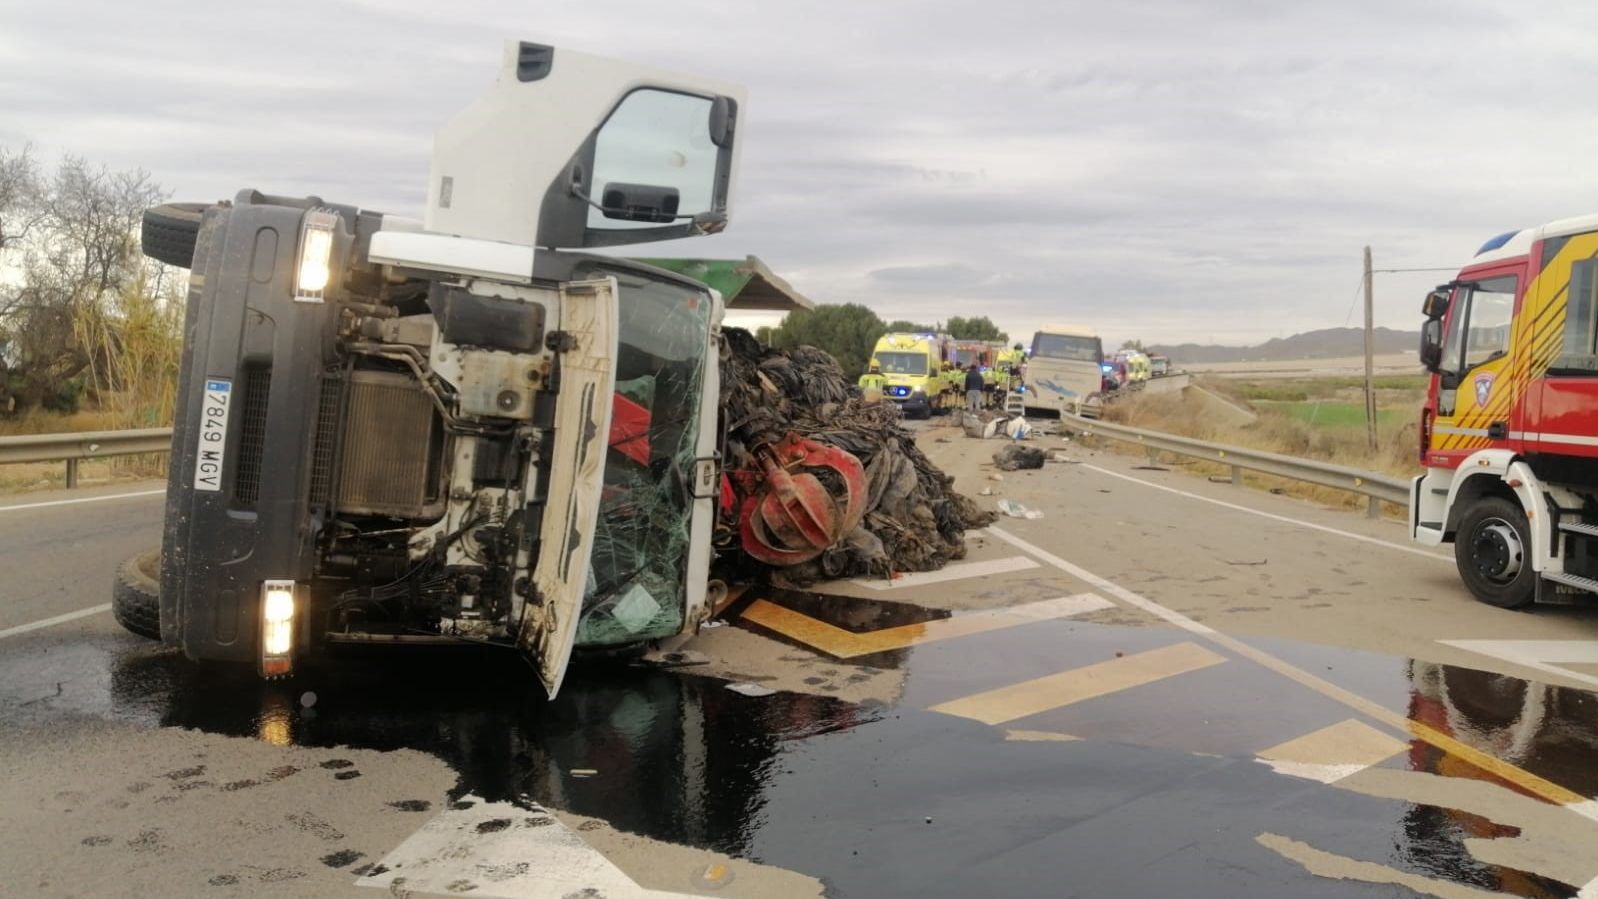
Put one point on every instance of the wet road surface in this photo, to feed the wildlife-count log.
(1020, 733)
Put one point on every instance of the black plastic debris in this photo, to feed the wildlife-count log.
(1014, 457)
(914, 519)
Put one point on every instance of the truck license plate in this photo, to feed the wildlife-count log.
(213, 434)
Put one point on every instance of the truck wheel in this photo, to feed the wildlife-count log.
(170, 231)
(1492, 550)
(135, 594)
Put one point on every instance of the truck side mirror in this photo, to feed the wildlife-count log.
(1436, 304)
(640, 202)
(1431, 344)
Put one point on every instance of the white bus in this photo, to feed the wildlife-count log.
(1063, 370)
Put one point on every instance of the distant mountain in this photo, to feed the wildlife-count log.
(1327, 343)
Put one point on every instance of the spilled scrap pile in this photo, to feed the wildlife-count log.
(912, 518)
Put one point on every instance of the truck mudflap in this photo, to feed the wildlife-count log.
(588, 328)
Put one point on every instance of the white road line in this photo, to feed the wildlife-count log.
(1282, 518)
(51, 622)
(82, 499)
(1531, 783)
(1542, 655)
(956, 572)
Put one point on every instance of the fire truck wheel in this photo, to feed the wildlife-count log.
(170, 231)
(135, 597)
(1492, 548)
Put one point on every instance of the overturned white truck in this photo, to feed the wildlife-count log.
(399, 431)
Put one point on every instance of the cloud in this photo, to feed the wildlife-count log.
(1168, 170)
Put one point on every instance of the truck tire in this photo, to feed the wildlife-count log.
(135, 594)
(1492, 550)
(170, 231)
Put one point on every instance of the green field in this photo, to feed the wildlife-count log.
(1334, 414)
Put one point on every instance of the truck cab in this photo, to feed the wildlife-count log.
(1063, 372)
(913, 367)
(1509, 430)
(465, 429)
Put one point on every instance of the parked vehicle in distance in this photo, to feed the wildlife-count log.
(1159, 366)
(1063, 369)
(1137, 366)
(1509, 430)
(913, 367)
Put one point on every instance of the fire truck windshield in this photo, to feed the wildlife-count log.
(1479, 329)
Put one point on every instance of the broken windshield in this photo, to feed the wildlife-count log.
(637, 580)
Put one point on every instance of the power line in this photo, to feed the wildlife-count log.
(1384, 271)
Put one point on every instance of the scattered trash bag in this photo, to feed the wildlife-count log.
(981, 424)
(914, 520)
(1014, 456)
(1018, 429)
(1015, 510)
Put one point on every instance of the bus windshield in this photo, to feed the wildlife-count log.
(1065, 346)
(903, 363)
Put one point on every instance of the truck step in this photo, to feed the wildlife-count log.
(1576, 527)
(1572, 580)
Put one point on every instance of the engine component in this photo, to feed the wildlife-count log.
(392, 440)
(495, 385)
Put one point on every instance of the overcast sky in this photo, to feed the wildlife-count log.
(1168, 170)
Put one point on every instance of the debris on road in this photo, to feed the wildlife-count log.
(1015, 510)
(982, 424)
(1014, 457)
(748, 689)
(911, 519)
(1018, 429)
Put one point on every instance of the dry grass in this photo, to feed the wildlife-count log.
(137, 344)
(1278, 432)
(24, 477)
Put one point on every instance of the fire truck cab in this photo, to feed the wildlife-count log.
(1509, 432)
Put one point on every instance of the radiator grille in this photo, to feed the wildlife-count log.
(326, 440)
(390, 430)
(252, 435)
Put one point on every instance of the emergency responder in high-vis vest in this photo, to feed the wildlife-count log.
(872, 382)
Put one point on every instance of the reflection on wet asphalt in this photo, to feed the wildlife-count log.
(889, 800)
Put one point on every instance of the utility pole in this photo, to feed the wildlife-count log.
(1370, 348)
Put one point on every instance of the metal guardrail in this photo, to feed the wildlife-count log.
(73, 448)
(1378, 488)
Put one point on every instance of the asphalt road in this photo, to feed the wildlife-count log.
(1210, 692)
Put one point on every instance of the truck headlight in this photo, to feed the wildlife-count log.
(316, 256)
(277, 627)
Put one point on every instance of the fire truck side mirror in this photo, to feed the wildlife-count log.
(1436, 304)
(1431, 344)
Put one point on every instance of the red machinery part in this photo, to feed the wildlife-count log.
(788, 515)
(629, 429)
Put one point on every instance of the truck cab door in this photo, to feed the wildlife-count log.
(1475, 392)
(587, 379)
(1562, 412)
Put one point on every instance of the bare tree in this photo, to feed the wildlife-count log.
(20, 209)
(77, 239)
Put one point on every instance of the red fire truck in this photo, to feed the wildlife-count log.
(1509, 434)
